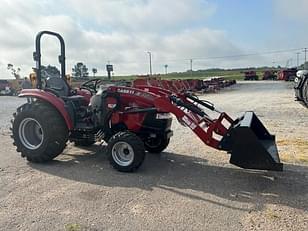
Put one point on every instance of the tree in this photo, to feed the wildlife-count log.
(50, 71)
(14, 72)
(80, 70)
(94, 70)
(166, 68)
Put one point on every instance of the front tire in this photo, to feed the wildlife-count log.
(125, 151)
(39, 132)
(156, 145)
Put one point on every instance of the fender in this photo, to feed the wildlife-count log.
(58, 103)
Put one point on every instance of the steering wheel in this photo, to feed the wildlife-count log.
(91, 85)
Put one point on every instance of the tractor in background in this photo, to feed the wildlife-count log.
(269, 75)
(250, 75)
(5, 87)
(287, 74)
(33, 79)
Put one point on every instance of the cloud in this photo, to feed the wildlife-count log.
(144, 15)
(119, 31)
(292, 9)
(289, 22)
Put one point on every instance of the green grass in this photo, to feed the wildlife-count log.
(236, 74)
(72, 227)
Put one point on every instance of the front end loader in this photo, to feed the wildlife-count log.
(247, 140)
(131, 120)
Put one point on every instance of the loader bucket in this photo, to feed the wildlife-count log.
(251, 146)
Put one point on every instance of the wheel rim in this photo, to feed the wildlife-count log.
(123, 153)
(31, 133)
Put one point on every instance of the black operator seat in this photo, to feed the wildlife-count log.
(60, 87)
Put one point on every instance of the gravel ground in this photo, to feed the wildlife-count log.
(188, 187)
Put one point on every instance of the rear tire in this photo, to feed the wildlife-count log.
(39, 132)
(125, 151)
(156, 145)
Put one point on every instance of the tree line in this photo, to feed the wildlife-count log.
(79, 71)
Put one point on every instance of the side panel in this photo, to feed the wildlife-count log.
(52, 99)
(133, 122)
(134, 97)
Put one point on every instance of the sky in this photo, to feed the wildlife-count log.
(174, 31)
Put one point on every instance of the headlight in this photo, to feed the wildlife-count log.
(163, 116)
(296, 80)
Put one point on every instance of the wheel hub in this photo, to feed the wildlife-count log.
(126, 151)
(31, 133)
(123, 153)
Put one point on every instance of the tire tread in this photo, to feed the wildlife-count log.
(137, 145)
(54, 126)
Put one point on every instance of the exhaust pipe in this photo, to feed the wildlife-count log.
(250, 144)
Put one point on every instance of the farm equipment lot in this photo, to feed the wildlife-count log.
(188, 187)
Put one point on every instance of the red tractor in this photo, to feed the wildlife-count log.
(5, 87)
(251, 75)
(131, 120)
(287, 74)
(269, 75)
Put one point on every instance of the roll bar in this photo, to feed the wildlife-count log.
(37, 56)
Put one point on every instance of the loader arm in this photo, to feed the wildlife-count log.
(208, 130)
